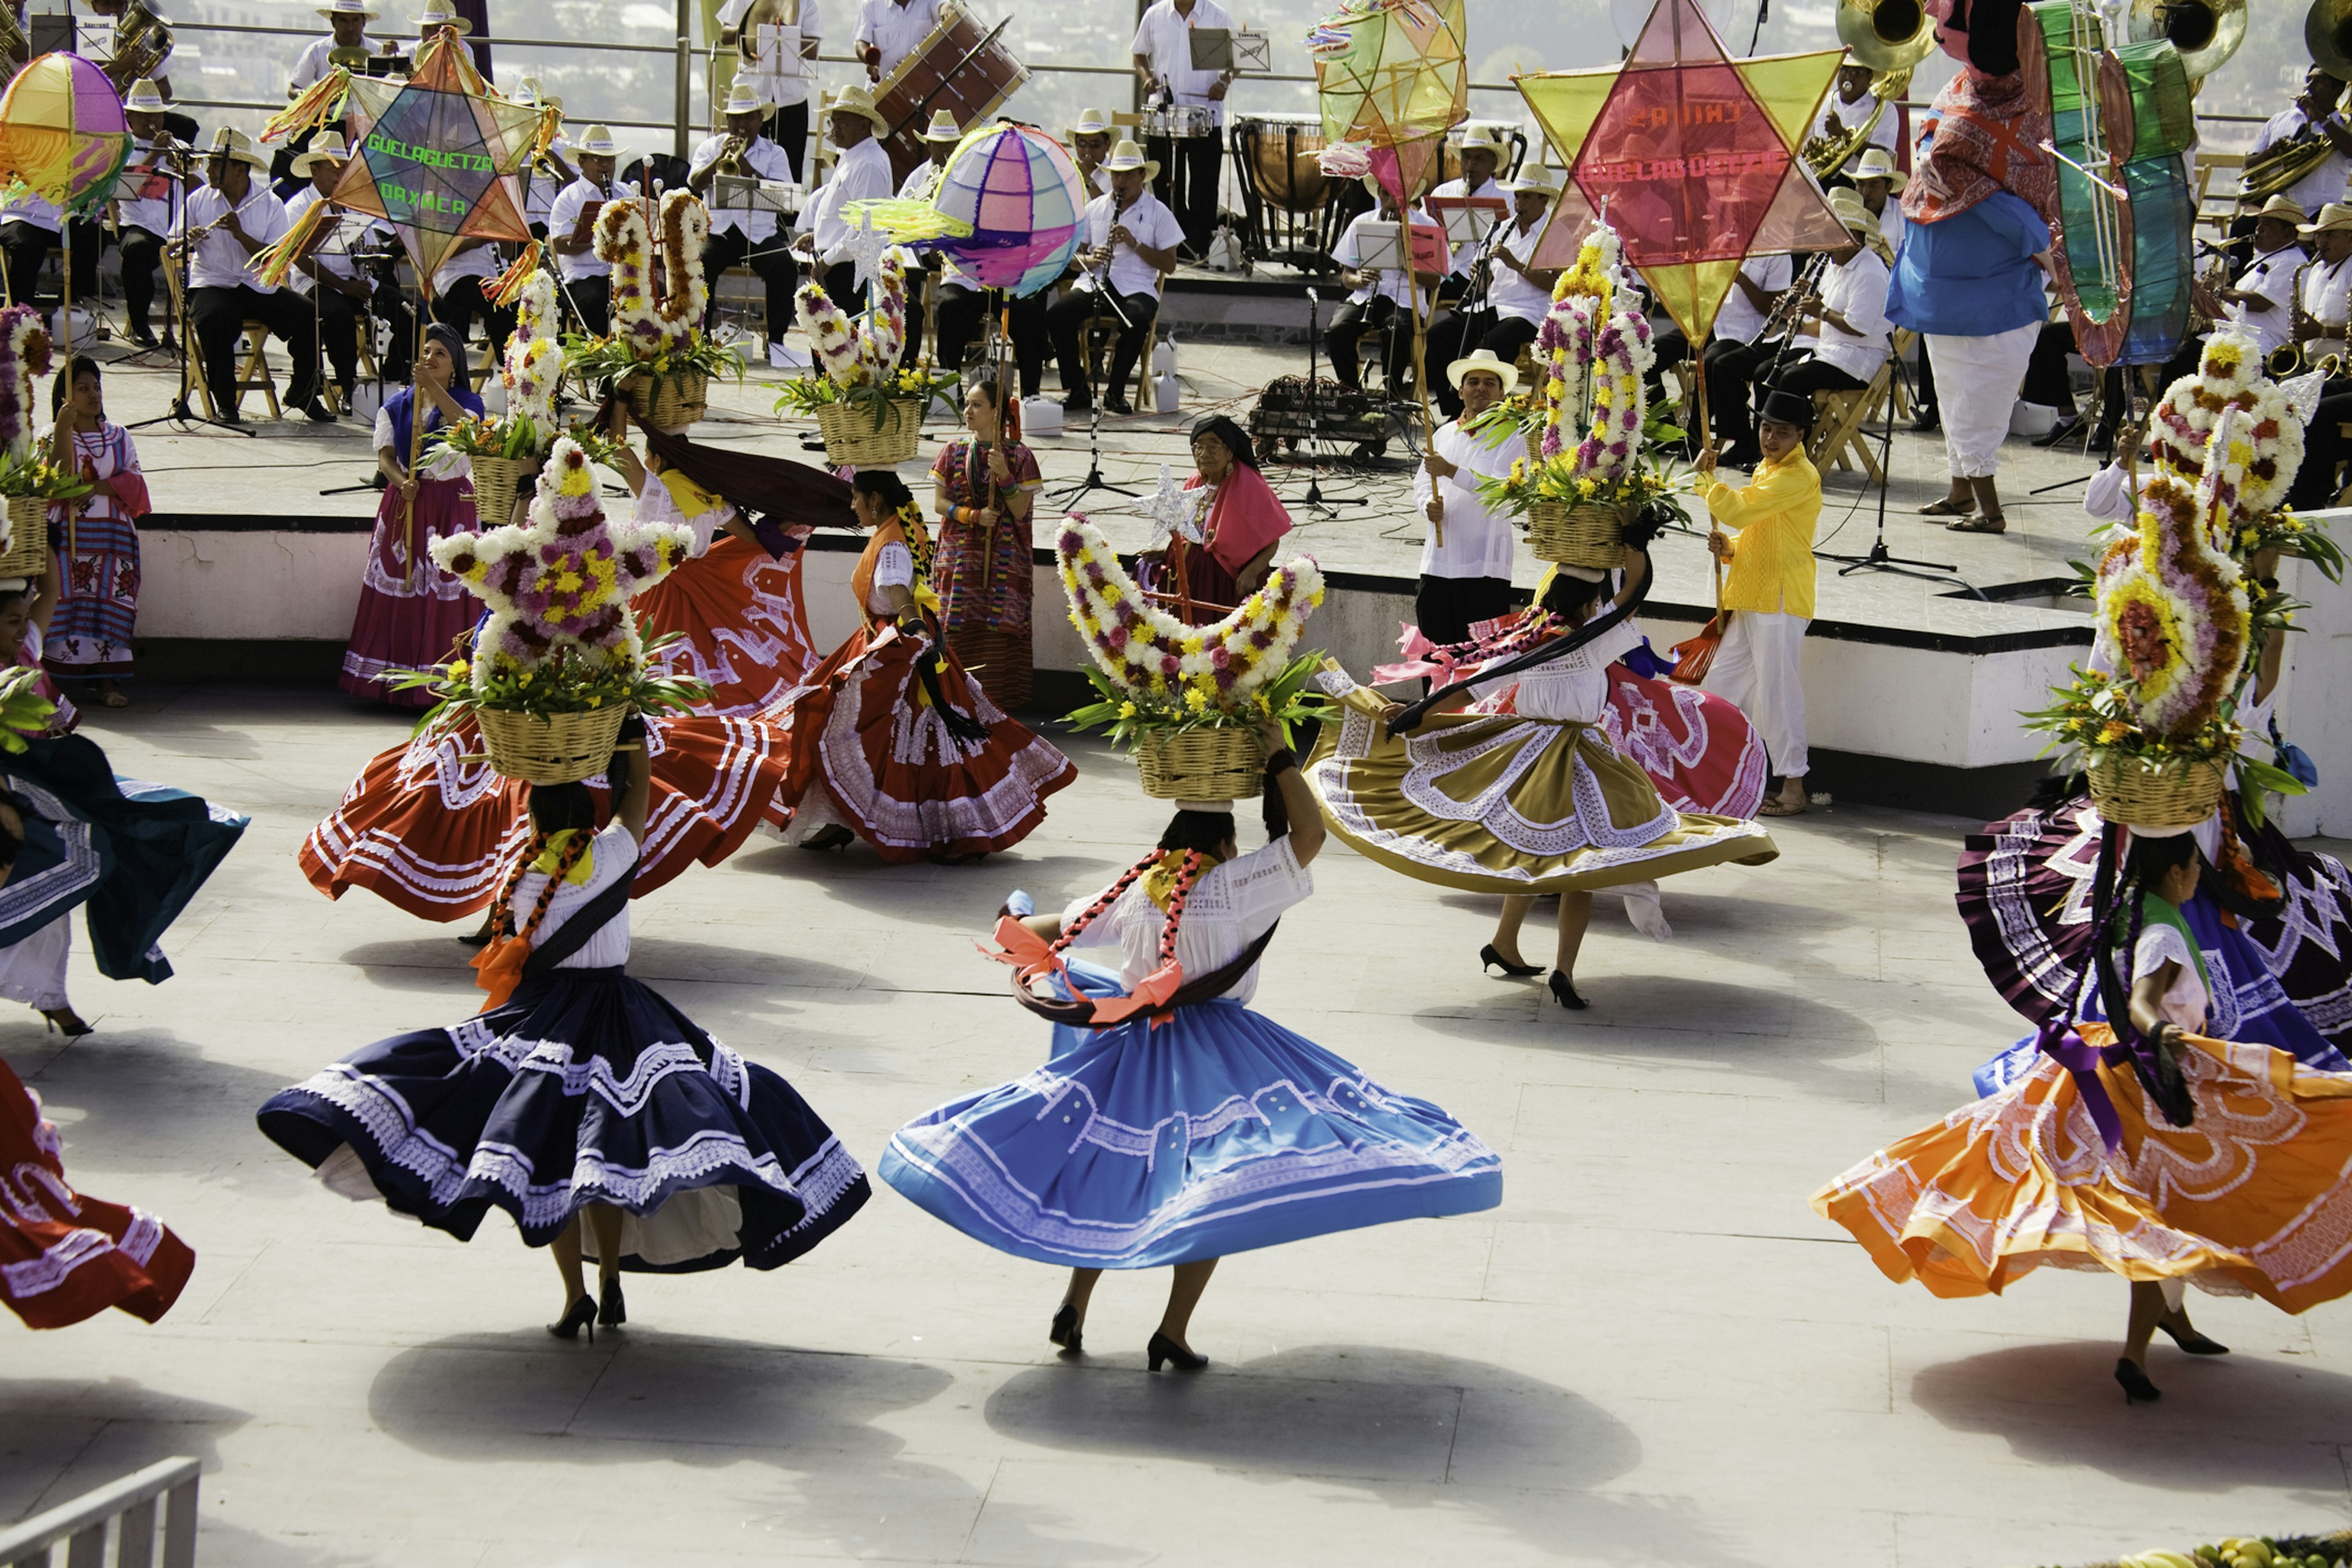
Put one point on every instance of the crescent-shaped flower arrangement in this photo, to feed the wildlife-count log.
(1154, 672)
(857, 356)
(656, 311)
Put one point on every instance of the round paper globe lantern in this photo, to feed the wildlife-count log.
(63, 133)
(1022, 194)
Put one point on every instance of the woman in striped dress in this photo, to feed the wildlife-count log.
(96, 538)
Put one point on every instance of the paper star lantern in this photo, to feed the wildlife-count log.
(436, 155)
(1693, 153)
(867, 244)
(63, 134)
(1392, 74)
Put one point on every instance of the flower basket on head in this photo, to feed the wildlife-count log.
(850, 435)
(1590, 535)
(669, 402)
(549, 748)
(657, 356)
(27, 554)
(497, 482)
(2180, 791)
(1218, 762)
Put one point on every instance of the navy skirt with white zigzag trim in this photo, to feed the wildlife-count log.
(587, 1087)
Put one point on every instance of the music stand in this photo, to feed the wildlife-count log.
(1252, 51)
(1459, 214)
(742, 192)
(179, 412)
(1212, 49)
(1877, 558)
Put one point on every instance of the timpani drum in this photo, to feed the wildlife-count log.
(1290, 211)
(961, 67)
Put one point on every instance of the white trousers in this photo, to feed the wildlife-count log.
(1756, 669)
(1977, 380)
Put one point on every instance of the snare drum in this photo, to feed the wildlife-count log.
(961, 67)
(1186, 121)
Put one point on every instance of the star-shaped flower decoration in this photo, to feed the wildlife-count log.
(1694, 154)
(867, 244)
(567, 576)
(1174, 511)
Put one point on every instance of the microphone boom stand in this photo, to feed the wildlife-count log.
(1315, 500)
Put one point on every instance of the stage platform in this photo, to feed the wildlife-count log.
(1914, 679)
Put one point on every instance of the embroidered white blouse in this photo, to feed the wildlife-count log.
(655, 503)
(1572, 688)
(2185, 1002)
(615, 852)
(1229, 907)
(893, 568)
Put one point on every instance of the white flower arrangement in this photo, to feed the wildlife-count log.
(2269, 449)
(533, 367)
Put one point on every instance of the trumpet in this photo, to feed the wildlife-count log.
(730, 158)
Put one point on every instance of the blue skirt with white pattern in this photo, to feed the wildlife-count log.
(1214, 1133)
(587, 1087)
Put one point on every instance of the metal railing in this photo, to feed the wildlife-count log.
(83, 1523)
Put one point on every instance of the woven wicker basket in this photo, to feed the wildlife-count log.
(850, 437)
(1220, 761)
(2172, 795)
(497, 481)
(667, 402)
(1590, 536)
(553, 748)
(27, 554)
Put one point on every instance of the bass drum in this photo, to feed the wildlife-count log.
(961, 67)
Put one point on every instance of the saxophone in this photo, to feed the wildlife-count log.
(2287, 358)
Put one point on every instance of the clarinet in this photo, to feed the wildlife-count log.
(1788, 310)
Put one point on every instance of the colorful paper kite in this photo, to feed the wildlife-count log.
(1007, 208)
(437, 154)
(1392, 74)
(62, 133)
(1694, 154)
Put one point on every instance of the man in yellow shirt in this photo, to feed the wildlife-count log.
(1769, 591)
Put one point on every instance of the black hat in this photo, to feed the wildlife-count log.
(1787, 409)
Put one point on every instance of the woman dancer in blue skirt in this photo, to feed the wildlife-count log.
(1171, 1124)
(580, 1102)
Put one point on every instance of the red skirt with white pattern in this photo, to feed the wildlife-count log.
(865, 733)
(744, 628)
(1699, 749)
(429, 826)
(66, 1256)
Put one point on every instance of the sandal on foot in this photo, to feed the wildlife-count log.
(1947, 507)
(1993, 524)
(1774, 806)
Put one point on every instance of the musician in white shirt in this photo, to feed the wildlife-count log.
(2316, 107)
(342, 291)
(1516, 297)
(922, 184)
(2326, 304)
(144, 202)
(1878, 181)
(29, 229)
(571, 233)
(888, 31)
(861, 172)
(1089, 145)
(1130, 239)
(1843, 335)
(1163, 60)
(1467, 578)
(347, 20)
(776, 46)
(236, 215)
(1379, 298)
(96, 38)
(2260, 302)
(1850, 107)
(746, 235)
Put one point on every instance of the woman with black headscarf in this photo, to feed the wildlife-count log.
(1219, 554)
(410, 609)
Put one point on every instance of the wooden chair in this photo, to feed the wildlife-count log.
(253, 371)
(188, 340)
(2217, 208)
(1841, 419)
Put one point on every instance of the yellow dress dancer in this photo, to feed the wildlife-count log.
(1523, 795)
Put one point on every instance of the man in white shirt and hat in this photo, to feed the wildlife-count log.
(940, 138)
(144, 201)
(1842, 340)
(740, 233)
(439, 15)
(227, 221)
(347, 21)
(340, 291)
(571, 232)
(1878, 181)
(1130, 240)
(1089, 145)
(1163, 61)
(1380, 297)
(1517, 295)
(861, 173)
(1467, 578)
(888, 31)
(2316, 107)
(2260, 302)
(776, 42)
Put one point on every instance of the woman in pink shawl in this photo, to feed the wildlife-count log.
(1240, 523)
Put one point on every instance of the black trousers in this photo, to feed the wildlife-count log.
(1447, 608)
(2324, 446)
(788, 129)
(143, 258)
(217, 316)
(2047, 380)
(1065, 324)
(1203, 160)
(962, 314)
(460, 304)
(1733, 371)
(339, 331)
(23, 246)
(778, 273)
(1349, 325)
(590, 300)
(1507, 337)
(1808, 376)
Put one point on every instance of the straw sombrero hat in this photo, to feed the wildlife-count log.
(1484, 359)
(1126, 155)
(855, 100)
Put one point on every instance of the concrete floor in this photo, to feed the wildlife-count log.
(1653, 1352)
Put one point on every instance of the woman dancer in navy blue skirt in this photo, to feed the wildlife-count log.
(1171, 1124)
(580, 1101)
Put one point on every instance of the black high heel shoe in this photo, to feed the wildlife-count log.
(2192, 1341)
(66, 1022)
(581, 1314)
(2136, 1386)
(612, 1311)
(1162, 1348)
(1489, 959)
(1067, 1331)
(1564, 993)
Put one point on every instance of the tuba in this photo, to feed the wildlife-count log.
(1890, 37)
(2327, 34)
(141, 42)
(2206, 32)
